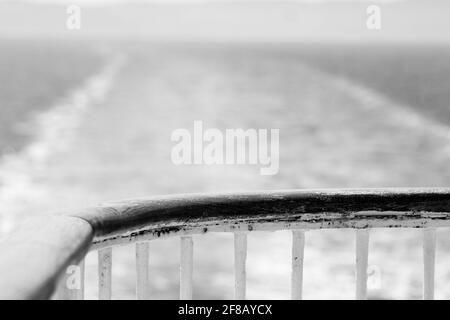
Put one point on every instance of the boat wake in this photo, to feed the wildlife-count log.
(397, 114)
(53, 131)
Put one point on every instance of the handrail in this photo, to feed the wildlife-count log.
(128, 221)
(34, 257)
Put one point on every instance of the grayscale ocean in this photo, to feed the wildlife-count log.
(90, 123)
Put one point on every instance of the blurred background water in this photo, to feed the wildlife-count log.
(90, 120)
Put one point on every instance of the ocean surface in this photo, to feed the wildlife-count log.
(85, 123)
(34, 75)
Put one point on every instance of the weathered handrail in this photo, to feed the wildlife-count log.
(36, 254)
(129, 221)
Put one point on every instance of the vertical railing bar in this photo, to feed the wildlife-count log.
(80, 292)
(240, 257)
(142, 271)
(60, 293)
(298, 248)
(362, 257)
(186, 268)
(429, 255)
(104, 273)
(71, 286)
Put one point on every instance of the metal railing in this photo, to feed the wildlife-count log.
(35, 257)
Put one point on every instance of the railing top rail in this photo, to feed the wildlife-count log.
(34, 256)
(352, 208)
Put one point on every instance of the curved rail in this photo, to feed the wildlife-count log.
(145, 219)
(34, 257)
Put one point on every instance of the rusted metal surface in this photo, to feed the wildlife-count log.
(129, 221)
(104, 274)
(298, 250)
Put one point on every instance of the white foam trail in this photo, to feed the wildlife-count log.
(54, 130)
(401, 115)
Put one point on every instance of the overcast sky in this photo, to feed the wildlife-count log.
(94, 2)
(418, 21)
